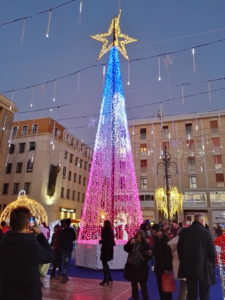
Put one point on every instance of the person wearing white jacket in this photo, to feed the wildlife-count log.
(183, 285)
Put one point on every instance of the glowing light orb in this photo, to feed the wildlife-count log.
(36, 209)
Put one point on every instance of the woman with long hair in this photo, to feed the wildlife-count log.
(107, 250)
(136, 269)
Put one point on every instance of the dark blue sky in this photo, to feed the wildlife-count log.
(160, 26)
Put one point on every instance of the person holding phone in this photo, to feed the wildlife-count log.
(22, 250)
(136, 268)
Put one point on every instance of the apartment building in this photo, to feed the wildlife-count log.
(50, 164)
(7, 110)
(196, 143)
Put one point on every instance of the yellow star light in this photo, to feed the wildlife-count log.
(119, 39)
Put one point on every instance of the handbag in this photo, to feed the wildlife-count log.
(168, 283)
(43, 269)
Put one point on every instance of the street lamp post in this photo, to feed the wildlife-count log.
(167, 164)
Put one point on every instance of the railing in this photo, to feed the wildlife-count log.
(188, 204)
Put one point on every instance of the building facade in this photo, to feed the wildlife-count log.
(7, 110)
(50, 164)
(196, 143)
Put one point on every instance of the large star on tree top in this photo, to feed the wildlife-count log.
(119, 40)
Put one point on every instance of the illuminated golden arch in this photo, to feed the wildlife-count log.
(36, 209)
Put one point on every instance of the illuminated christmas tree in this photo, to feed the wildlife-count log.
(112, 191)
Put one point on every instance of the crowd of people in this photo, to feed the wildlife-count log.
(176, 253)
(24, 250)
(186, 254)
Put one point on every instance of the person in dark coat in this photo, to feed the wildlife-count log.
(57, 262)
(107, 250)
(197, 257)
(21, 253)
(136, 268)
(66, 238)
(163, 259)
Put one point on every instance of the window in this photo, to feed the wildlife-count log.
(142, 197)
(22, 147)
(144, 183)
(32, 146)
(71, 157)
(146, 197)
(85, 165)
(65, 154)
(144, 163)
(14, 131)
(24, 130)
(74, 177)
(216, 143)
(188, 129)
(193, 182)
(74, 195)
(191, 163)
(34, 129)
(64, 172)
(78, 196)
(79, 181)
(214, 126)
(143, 133)
(27, 187)
(16, 187)
(190, 144)
(19, 167)
(8, 168)
(30, 165)
(69, 175)
(5, 188)
(81, 163)
(218, 161)
(165, 145)
(76, 161)
(83, 197)
(84, 181)
(12, 148)
(62, 192)
(57, 132)
(143, 148)
(165, 132)
(68, 194)
(220, 180)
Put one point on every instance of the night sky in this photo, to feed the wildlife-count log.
(161, 26)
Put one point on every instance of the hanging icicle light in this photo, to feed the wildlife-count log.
(128, 73)
(103, 74)
(159, 68)
(80, 11)
(209, 91)
(23, 31)
(196, 124)
(78, 82)
(182, 93)
(193, 59)
(54, 92)
(32, 97)
(49, 23)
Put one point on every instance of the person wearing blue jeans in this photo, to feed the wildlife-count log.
(66, 238)
(66, 257)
